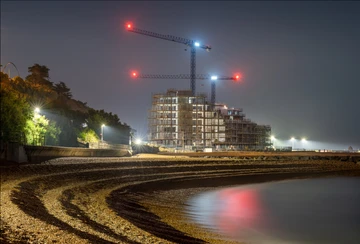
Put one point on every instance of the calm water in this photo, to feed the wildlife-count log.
(295, 211)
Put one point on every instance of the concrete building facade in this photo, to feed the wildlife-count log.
(179, 120)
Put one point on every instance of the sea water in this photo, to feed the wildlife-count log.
(325, 210)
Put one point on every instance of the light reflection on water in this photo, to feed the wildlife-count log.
(296, 211)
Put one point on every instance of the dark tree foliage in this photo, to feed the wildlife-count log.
(18, 96)
(39, 74)
(62, 90)
(14, 113)
(114, 131)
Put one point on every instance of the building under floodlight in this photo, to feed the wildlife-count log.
(180, 120)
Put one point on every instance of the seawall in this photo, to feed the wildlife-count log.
(14, 152)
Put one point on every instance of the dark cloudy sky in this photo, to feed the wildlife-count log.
(300, 60)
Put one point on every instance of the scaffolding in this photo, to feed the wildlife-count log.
(180, 120)
(242, 133)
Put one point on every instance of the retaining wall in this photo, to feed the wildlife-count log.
(145, 149)
(13, 152)
(37, 154)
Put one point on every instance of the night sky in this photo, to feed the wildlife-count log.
(300, 60)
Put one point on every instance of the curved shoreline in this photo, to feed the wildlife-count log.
(129, 200)
(176, 200)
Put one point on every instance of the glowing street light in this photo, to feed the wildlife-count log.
(304, 141)
(36, 112)
(292, 140)
(102, 132)
(138, 141)
(273, 140)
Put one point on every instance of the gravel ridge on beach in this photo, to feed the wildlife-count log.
(138, 199)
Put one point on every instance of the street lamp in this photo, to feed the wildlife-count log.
(273, 140)
(102, 132)
(303, 140)
(292, 140)
(36, 132)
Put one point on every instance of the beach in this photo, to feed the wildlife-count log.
(139, 199)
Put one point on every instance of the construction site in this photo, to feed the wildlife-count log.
(189, 121)
(177, 119)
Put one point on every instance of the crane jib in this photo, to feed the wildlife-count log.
(185, 41)
(172, 38)
(184, 76)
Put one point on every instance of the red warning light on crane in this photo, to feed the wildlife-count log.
(134, 74)
(128, 26)
(237, 77)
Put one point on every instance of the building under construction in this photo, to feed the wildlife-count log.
(180, 120)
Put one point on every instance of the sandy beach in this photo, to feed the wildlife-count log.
(139, 199)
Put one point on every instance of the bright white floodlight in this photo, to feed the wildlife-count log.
(197, 44)
(138, 141)
(303, 140)
(272, 137)
(214, 77)
(102, 132)
(292, 138)
(37, 110)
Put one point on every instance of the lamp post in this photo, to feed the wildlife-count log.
(292, 140)
(303, 142)
(36, 133)
(273, 141)
(102, 132)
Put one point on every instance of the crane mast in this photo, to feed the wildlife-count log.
(188, 42)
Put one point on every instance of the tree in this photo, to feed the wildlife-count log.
(39, 74)
(95, 120)
(52, 134)
(56, 100)
(62, 90)
(35, 129)
(15, 111)
(41, 88)
(88, 135)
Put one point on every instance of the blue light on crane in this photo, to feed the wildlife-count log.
(197, 44)
(214, 77)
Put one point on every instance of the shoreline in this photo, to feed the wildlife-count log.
(129, 200)
(177, 200)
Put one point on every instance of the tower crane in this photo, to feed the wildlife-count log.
(191, 43)
(213, 79)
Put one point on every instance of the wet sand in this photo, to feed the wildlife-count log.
(131, 200)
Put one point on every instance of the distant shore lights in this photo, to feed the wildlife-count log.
(292, 141)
